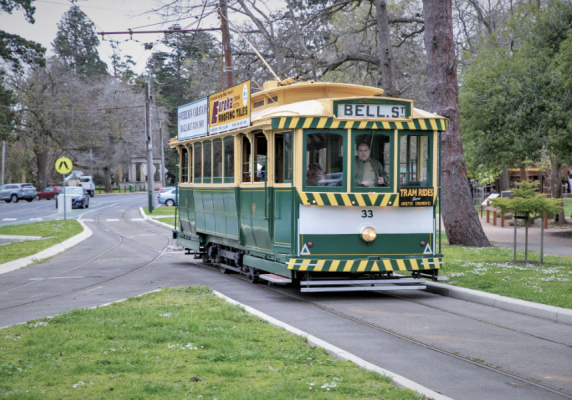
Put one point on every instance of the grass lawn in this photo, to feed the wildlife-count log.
(175, 344)
(56, 231)
(492, 270)
(568, 207)
(160, 211)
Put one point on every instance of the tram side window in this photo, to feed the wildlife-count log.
(207, 162)
(261, 152)
(217, 160)
(414, 162)
(324, 159)
(198, 162)
(372, 166)
(283, 157)
(184, 165)
(246, 154)
(229, 160)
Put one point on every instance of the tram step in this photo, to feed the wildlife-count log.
(275, 278)
(360, 288)
(361, 281)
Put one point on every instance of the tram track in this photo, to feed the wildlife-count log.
(122, 240)
(414, 341)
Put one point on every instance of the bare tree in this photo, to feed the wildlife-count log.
(459, 215)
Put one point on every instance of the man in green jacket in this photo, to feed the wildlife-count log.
(368, 171)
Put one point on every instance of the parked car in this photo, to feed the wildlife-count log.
(13, 192)
(49, 193)
(168, 197)
(80, 196)
(161, 190)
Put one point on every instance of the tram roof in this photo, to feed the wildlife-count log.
(309, 100)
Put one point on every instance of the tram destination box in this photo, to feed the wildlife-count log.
(416, 196)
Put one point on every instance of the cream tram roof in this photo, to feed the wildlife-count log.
(309, 100)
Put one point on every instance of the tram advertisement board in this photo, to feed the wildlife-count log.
(230, 109)
(193, 119)
(416, 196)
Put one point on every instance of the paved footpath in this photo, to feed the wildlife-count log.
(442, 343)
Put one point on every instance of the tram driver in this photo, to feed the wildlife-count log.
(368, 171)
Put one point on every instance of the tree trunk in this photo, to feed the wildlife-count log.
(523, 174)
(41, 153)
(459, 215)
(386, 53)
(556, 187)
(107, 179)
(504, 181)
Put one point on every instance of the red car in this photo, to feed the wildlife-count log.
(48, 193)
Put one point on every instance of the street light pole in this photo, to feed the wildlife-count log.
(163, 179)
(150, 177)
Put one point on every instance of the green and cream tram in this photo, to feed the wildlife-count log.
(330, 186)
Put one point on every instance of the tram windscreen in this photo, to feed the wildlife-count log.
(414, 160)
(324, 159)
(184, 165)
(283, 157)
(372, 166)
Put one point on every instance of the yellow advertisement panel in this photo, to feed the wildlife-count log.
(230, 109)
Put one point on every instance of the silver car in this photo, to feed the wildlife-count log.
(13, 192)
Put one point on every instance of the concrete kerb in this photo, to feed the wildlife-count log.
(340, 354)
(153, 220)
(47, 253)
(552, 313)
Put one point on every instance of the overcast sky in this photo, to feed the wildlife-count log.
(108, 16)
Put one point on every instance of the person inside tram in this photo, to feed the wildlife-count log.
(314, 174)
(369, 172)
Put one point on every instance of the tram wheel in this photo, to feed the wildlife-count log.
(251, 276)
(223, 269)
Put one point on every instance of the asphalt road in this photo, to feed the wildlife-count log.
(24, 212)
(461, 349)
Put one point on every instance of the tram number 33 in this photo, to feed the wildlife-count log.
(366, 214)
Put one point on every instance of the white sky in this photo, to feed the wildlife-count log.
(108, 16)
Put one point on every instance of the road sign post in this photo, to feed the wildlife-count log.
(64, 166)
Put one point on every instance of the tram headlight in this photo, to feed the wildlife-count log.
(368, 234)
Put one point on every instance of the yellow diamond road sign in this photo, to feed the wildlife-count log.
(64, 165)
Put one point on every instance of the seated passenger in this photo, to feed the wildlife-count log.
(314, 174)
(369, 172)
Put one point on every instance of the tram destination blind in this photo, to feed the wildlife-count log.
(371, 111)
(416, 197)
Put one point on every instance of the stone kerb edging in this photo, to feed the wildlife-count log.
(153, 220)
(340, 354)
(49, 252)
(556, 314)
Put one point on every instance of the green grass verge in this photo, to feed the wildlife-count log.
(568, 207)
(492, 270)
(56, 231)
(160, 211)
(174, 344)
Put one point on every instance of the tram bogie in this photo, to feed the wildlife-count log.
(331, 187)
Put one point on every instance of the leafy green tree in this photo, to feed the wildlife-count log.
(76, 43)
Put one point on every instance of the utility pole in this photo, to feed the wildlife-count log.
(3, 160)
(150, 177)
(90, 163)
(163, 182)
(226, 44)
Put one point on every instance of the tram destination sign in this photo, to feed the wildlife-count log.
(193, 119)
(230, 109)
(416, 197)
(373, 109)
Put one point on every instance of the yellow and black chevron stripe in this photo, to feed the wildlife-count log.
(429, 124)
(349, 199)
(410, 264)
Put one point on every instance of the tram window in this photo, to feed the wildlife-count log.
(217, 159)
(184, 165)
(261, 152)
(246, 154)
(283, 157)
(229, 160)
(372, 167)
(414, 160)
(198, 162)
(324, 159)
(207, 161)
